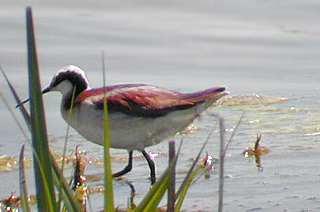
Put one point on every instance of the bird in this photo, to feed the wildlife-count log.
(140, 115)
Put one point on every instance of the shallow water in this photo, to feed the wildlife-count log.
(265, 52)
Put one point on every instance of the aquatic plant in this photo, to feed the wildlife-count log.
(257, 151)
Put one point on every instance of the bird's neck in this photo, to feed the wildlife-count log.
(68, 100)
(69, 97)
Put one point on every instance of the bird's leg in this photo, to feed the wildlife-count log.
(127, 168)
(151, 165)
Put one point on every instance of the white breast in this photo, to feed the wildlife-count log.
(130, 132)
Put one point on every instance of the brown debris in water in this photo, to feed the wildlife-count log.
(257, 151)
(10, 204)
(79, 179)
(190, 129)
(8, 164)
(208, 162)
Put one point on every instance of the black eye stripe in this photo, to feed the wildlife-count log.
(78, 81)
(74, 77)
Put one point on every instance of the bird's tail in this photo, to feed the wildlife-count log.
(208, 96)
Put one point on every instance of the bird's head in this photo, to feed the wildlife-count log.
(66, 80)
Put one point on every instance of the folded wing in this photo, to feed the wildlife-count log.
(146, 100)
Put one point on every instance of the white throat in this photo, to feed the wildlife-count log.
(65, 87)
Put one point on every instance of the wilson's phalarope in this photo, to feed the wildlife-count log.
(140, 115)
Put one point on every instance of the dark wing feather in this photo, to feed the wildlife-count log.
(142, 100)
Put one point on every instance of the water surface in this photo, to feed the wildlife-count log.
(265, 52)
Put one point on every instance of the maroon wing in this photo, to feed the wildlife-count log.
(146, 100)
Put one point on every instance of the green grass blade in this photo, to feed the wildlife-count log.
(157, 196)
(15, 118)
(180, 195)
(184, 189)
(23, 187)
(65, 149)
(154, 196)
(43, 175)
(43, 167)
(27, 139)
(22, 179)
(67, 194)
(23, 110)
(108, 187)
(185, 181)
(108, 191)
(70, 201)
(68, 129)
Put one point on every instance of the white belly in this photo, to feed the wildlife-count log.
(130, 132)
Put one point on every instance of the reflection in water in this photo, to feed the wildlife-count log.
(257, 151)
